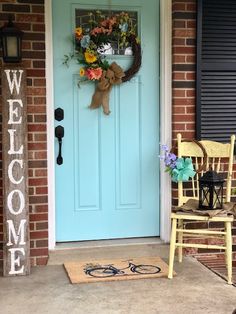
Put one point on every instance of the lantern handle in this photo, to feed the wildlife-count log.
(10, 20)
(204, 164)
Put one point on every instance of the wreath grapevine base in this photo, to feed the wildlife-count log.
(90, 44)
(136, 48)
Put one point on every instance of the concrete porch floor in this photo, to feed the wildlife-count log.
(195, 289)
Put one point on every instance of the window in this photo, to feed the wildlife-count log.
(216, 69)
(83, 18)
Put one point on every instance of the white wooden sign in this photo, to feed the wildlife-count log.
(15, 172)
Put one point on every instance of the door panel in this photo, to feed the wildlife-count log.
(108, 184)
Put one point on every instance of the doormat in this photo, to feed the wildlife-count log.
(116, 269)
(217, 265)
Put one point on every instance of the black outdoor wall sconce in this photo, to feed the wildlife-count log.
(11, 42)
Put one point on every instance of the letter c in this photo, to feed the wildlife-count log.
(10, 171)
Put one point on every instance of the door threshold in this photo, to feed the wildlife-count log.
(107, 243)
(106, 249)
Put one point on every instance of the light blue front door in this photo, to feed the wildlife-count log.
(108, 184)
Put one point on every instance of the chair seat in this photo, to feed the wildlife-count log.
(189, 216)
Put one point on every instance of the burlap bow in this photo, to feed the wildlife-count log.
(110, 77)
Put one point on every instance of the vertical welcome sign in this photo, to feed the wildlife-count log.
(15, 172)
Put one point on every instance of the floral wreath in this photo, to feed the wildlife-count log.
(180, 169)
(90, 50)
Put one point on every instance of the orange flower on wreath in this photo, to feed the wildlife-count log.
(82, 72)
(78, 32)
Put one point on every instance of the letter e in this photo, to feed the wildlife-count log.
(15, 261)
(14, 113)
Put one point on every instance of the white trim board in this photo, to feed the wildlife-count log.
(165, 117)
(165, 111)
(50, 126)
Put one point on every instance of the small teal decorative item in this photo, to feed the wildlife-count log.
(183, 171)
(180, 169)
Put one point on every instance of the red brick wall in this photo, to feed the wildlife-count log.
(29, 16)
(184, 38)
(184, 64)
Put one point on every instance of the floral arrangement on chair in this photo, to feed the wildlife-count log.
(91, 44)
(180, 169)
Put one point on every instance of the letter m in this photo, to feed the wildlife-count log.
(16, 235)
(13, 80)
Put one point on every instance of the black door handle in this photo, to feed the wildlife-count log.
(59, 133)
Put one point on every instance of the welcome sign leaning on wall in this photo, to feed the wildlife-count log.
(15, 172)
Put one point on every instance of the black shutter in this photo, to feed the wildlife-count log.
(216, 69)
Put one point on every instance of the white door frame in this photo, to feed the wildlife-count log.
(165, 117)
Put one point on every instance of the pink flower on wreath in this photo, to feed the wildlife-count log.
(109, 22)
(96, 30)
(93, 73)
(107, 25)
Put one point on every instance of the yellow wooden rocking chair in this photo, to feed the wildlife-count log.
(219, 158)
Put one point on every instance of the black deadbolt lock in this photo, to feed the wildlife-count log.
(59, 133)
(59, 114)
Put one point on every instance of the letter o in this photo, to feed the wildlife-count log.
(9, 202)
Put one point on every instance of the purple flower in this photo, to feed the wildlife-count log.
(167, 160)
(164, 147)
(168, 157)
(173, 165)
(172, 156)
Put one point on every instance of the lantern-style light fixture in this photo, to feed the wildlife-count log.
(11, 42)
(211, 191)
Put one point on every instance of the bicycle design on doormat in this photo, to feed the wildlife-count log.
(104, 271)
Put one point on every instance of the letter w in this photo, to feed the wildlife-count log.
(14, 82)
(20, 233)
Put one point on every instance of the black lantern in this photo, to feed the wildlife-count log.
(11, 40)
(211, 191)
